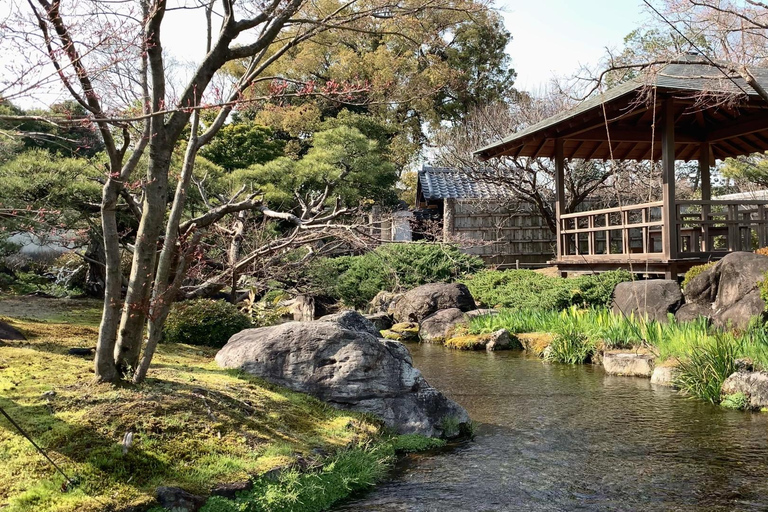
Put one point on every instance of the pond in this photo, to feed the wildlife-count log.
(558, 437)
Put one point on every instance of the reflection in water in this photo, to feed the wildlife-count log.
(558, 437)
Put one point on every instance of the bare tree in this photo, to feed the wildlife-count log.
(108, 56)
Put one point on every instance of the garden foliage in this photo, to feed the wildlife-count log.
(528, 290)
(355, 280)
(204, 322)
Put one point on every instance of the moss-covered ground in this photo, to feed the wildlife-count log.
(194, 424)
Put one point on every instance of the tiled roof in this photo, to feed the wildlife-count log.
(448, 183)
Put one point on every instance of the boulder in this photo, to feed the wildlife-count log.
(497, 340)
(10, 333)
(692, 311)
(179, 500)
(655, 298)
(629, 364)
(664, 376)
(729, 287)
(435, 328)
(422, 301)
(382, 321)
(752, 384)
(482, 312)
(353, 321)
(535, 342)
(404, 331)
(348, 369)
(382, 302)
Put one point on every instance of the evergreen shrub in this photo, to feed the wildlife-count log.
(204, 322)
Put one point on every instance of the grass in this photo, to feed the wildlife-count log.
(195, 425)
(706, 355)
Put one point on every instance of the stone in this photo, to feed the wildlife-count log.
(353, 321)
(382, 302)
(381, 321)
(744, 364)
(348, 369)
(178, 500)
(9, 333)
(664, 376)
(753, 384)
(303, 308)
(629, 364)
(230, 491)
(422, 301)
(654, 298)
(729, 288)
(497, 340)
(692, 311)
(404, 331)
(436, 327)
(535, 342)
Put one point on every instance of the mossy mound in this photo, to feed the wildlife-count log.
(194, 425)
(404, 331)
(468, 342)
(535, 342)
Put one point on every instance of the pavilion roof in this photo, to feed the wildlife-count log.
(711, 105)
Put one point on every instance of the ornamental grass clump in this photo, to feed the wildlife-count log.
(706, 366)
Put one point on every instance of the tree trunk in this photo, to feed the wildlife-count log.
(104, 362)
(96, 276)
(163, 295)
(136, 307)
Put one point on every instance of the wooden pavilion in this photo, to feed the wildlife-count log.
(688, 110)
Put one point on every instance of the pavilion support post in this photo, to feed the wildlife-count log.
(559, 195)
(668, 213)
(705, 163)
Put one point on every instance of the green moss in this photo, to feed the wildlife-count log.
(468, 342)
(195, 425)
(738, 401)
(695, 271)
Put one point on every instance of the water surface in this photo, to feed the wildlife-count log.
(558, 437)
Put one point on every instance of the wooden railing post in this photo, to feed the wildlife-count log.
(560, 197)
(669, 228)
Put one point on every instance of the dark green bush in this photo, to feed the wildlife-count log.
(357, 279)
(526, 289)
(204, 322)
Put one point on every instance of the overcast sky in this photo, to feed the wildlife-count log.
(553, 37)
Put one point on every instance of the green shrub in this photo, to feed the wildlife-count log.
(707, 364)
(391, 267)
(204, 322)
(529, 290)
(695, 271)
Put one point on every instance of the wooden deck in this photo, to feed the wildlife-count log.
(635, 236)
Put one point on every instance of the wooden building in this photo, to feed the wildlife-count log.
(505, 233)
(691, 109)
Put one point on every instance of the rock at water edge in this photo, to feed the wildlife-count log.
(422, 301)
(753, 384)
(628, 364)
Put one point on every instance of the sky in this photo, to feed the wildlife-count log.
(550, 37)
(553, 37)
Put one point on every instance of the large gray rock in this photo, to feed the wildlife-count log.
(381, 321)
(655, 298)
(664, 376)
(349, 369)
(753, 384)
(353, 321)
(422, 301)
(178, 500)
(730, 288)
(691, 312)
(383, 301)
(435, 328)
(628, 364)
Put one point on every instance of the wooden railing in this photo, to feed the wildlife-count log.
(613, 232)
(712, 227)
(636, 232)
